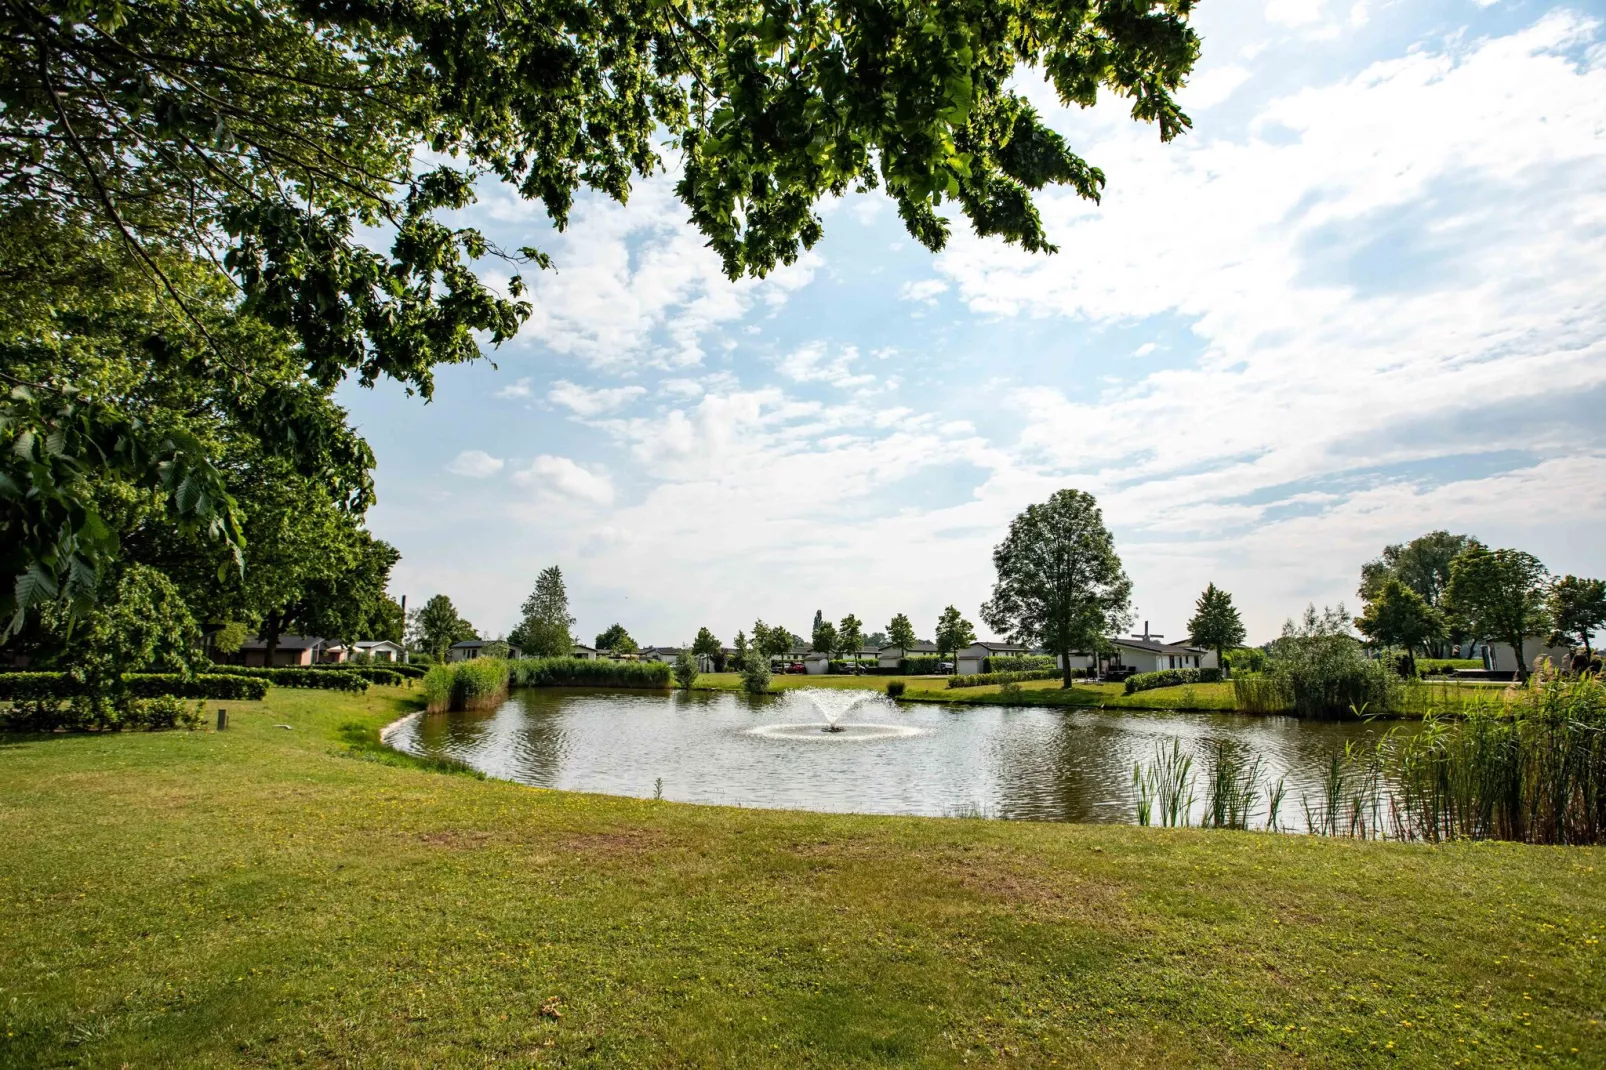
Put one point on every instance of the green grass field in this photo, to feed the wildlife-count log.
(270, 897)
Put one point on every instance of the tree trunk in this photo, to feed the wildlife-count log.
(1065, 668)
(1522, 658)
(271, 625)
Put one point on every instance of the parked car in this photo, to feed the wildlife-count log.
(945, 667)
(794, 667)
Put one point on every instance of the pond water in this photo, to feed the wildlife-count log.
(773, 751)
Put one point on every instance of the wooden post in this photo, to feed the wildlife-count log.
(222, 718)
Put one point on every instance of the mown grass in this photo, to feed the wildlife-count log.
(262, 897)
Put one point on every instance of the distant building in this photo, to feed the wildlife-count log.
(470, 649)
(973, 658)
(290, 651)
(888, 657)
(584, 652)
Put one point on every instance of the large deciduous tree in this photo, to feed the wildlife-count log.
(1060, 582)
(706, 645)
(1216, 623)
(1400, 617)
(1499, 594)
(849, 638)
(436, 625)
(1423, 565)
(616, 640)
(1577, 610)
(277, 139)
(545, 630)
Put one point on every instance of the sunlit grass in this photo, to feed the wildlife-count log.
(267, 897)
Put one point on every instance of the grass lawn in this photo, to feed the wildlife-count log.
(268, 897)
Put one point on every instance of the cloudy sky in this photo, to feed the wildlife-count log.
(1363, 299)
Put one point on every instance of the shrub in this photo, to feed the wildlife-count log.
(981, 679)
(40, 686)
(587, 672)
(756, 674)
(1323, 671)
(1245, 659)
(291, 676)
(363, 668)
(895, 688)
(1020, 663)
(685, 669)
(84, 714)
(1148, 681)
(919, 666)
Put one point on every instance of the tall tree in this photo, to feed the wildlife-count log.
(1216, 623)
(849, 638)
(436, 626)
(1577, 610)
(545, 630)
(275, 143)
(954, 633)
(1423, 565)
(1499, 594)
(901, 633)
(824, 638)
(1060, 582)
(706, 645)
(1400, 617)
(616, 640)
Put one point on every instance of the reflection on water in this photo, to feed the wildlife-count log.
(1008, 762)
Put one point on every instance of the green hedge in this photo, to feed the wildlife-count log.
(1148, 681)
(586, 672)
(1019, 663)
(399, 668)
(315, 679)
(920, 666)
(35, 686)
(981, 679)
(149, 714)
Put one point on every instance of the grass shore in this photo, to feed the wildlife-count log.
(273, 896)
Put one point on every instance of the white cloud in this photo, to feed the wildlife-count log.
(517, 389)
(1294, 12)
(1144, 350)
(585, 402)
(633, 284)
(1211, 86)
(566, 478)
(925, 290)
(475, 464)
(813, 364)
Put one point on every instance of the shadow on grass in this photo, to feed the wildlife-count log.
(363, 743)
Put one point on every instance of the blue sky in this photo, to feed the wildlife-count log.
(1364, 298)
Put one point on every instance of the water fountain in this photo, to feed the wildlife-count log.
(832, 705)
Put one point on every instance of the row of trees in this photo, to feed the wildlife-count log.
(1440, 589)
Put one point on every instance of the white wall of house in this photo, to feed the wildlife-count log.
(1504, 659)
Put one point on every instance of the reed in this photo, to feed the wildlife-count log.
(1529, 767)
(1165, 788)
(1260, 693)
(1232, 782)
(1351, 800)
(477, 684)
(589, 672)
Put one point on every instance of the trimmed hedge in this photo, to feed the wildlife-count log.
(588, 672)
(1148, 681)
(1019, 663)
(149, 714)
(316, 679)
(982, 679)
(398, 668)
(920, 666)
(36, 686)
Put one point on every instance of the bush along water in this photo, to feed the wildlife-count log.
(588, 672)
(476, 684)
(1148, 681)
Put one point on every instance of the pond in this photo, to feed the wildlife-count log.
(893, 758)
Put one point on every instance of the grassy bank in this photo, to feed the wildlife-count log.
(270, 897)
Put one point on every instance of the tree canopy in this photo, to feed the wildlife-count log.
(1400, 617)
(544, 630)
(1060, 582)
(1577, 609)
(234, 164)
(1216, 623)
(901, 633)
(1423, 565)
(1499, 594)
(954, 632)
(615, 639)
(436, 625)
(849, 636)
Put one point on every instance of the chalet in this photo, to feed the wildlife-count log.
(470, 649)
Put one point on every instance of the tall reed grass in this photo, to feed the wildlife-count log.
(1529, 767)
(477, 684)
(1232, 782)
(589, 672)
(1164, 789)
